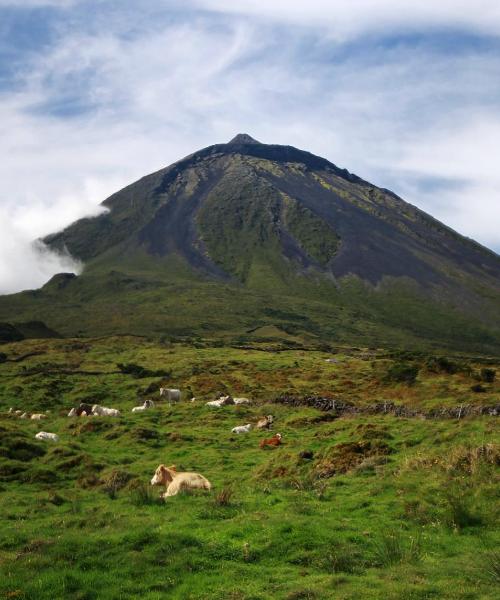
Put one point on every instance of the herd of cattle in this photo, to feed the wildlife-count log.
(173, 480)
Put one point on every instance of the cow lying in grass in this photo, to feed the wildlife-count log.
(147, 404)
(241, 400)
(84, 410)
(274, 441)
(242, 428)
(264, 422)
(44, 435)
(175, 482)
(221, 401)
(103, 411)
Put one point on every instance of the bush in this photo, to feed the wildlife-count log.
(224, 497)
(402, 373)
(342, 558)
(491, 565)
(141, 494)
(488, 375)
(478, 388)
(115, 481)
(459, 511)
(441, 364)
(392, 549)
(139, 372)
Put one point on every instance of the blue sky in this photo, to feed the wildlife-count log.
(96, 93)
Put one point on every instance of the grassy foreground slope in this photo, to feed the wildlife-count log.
(386, 507)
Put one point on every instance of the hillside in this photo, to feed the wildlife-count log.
(244, 235)
(378, 505)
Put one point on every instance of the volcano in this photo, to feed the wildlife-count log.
(241, 237)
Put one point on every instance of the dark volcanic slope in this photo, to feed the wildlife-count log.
(221, 204)
(289, 228)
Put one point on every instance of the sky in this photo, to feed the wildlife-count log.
(94, 94)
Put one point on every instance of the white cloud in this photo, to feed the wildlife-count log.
(347, 18)
(26, 4)
(95, 112)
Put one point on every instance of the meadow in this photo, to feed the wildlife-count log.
(355, 506)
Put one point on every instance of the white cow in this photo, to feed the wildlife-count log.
(38, 416)
(147, 404)
(222, 401)
(102, 411)
(241, 400)
(172, 394)
(43, 435)
(175, 481)
(242, 428)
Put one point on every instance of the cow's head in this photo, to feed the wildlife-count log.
(278, 436)
(163, 475)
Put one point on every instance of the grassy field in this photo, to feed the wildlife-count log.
(385, 507)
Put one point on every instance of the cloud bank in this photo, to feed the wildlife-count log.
(105, 93)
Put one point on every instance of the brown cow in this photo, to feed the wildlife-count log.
(264, 422)
(274, 441)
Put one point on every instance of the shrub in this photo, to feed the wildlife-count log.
(488, 375)
(478, 388)
(391, 549)
(224, 497)
(139, 372)
(141, 494)
(441, 364)
(459, 512)
(115, 481)
(342, 558)
(491, 565)
(402, 373)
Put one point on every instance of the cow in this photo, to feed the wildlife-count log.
(274, 441)
(172, 394)
(102, 411)
(175, 481)
(222, 401)
(38, 416)
(265, 422)
(44, 435)
(241, 400)
(25, 415)
(84, 410)
(242, 428)
(147, 404)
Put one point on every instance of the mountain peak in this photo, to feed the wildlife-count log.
(243, 138)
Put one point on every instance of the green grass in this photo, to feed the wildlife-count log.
(412, 517)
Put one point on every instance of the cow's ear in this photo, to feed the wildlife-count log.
(162, 467)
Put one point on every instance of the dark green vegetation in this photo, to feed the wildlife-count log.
(373, 507)
(242, 237)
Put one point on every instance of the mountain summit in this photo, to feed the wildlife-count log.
(245, 235)
(243, 138)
